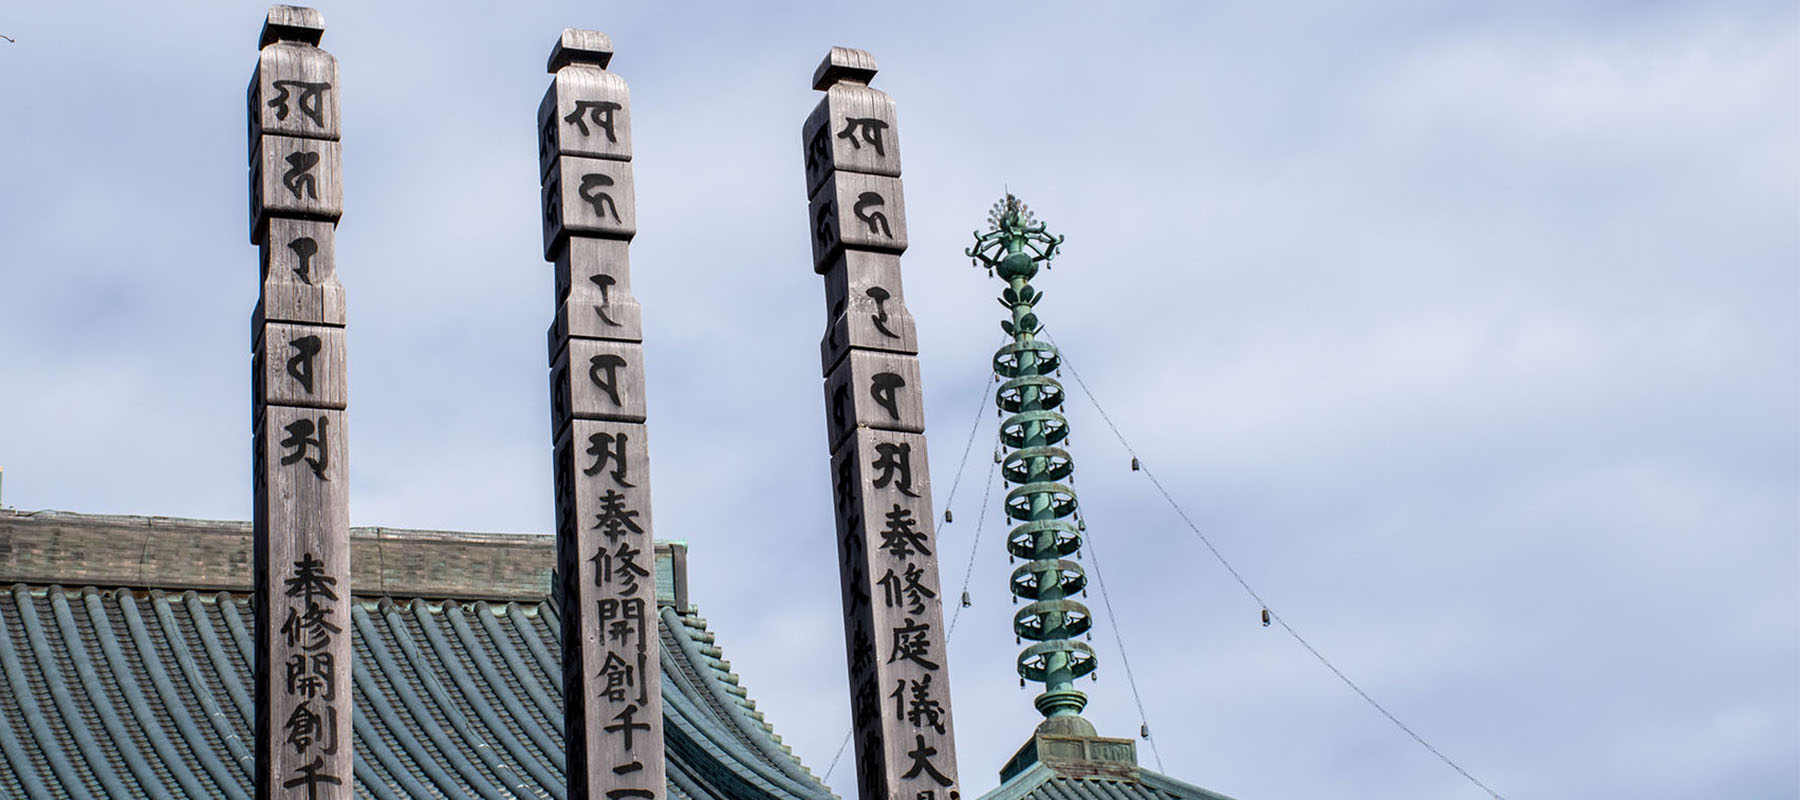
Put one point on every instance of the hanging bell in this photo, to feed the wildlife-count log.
(1081, 523)
(966, 602)
(1021, 682)
(1266, 619)
(1144, 731)
(1135, 466)
(948, 516)
(997, 458)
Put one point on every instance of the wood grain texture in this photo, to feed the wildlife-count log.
(871, 389)
(593, 291)
(856, 211)
(286, 302)
(294, 177)
(586, 112)
(298, 251)
(300, 365)
(893, 618)
(881, 488)
(605, 560)
(300, 527)
(844, 64)
(865, 308)
(299, 274)
(301, 569)
(580, 46)
(853, 128)
(597, 379)
(293, 92)
(588, 196)
(297, 24)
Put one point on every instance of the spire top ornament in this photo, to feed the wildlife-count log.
(1015, 242)
(1015, 245)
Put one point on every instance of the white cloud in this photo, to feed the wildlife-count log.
(1468, 334)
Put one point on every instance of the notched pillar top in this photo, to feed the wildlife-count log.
(844, 65)
(577, 46)
(293, 24)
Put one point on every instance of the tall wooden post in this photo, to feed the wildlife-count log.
(893, 609)
(612, 677)
(302, 514)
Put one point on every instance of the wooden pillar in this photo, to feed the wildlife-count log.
(612, 676)
(301, 478)
(893, 602)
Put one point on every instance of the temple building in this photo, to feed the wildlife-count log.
(125, 646)
(127, 655)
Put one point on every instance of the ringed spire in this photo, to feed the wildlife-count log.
(1040, 502)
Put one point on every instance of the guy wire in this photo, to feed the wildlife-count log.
(1220, 557)
(974, 428)
(1119, 637)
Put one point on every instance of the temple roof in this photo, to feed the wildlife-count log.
(1065, 760)
(1041, 782)
(138, 683)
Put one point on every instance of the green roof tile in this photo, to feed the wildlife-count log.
(132, 693)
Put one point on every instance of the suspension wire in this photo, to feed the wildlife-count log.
(968, 573)
(969, 569)
(1220, 557)
(1119, 637)
(840, 754)
(974, 428)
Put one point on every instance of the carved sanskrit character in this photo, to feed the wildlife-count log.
(607, 364)
(876, 220)
(300, 364)
(884, 387)
(894, 459)
(299, 175)
(606, 447)
(599, 111)
(605, 282)
(300, 437)
(305, 248)
(591, 184)
(871, 133)
(311, 100)
(880, 317)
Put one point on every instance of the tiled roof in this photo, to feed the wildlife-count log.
(1066, 759)
(121, 693)
(135, 692)
(1041, 782)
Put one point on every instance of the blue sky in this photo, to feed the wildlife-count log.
(1467, 332)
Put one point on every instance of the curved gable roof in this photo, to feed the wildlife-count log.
(146, 692)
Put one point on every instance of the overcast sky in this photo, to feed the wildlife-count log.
(1467, 331)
